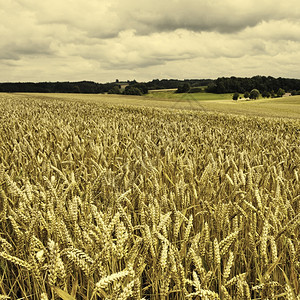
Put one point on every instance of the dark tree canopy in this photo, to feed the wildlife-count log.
(184, 88)
(280, 92)
(88, 87)
(141, 86)
(254, 94)
(221, 85)
(261, 83)
(266, 94)
(135, 88)
(157, 84)
(132, 90)
(114, 90)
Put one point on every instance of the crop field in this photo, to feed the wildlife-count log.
(101, 200)
(287, 107)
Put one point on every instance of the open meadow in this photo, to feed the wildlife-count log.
(155, 197)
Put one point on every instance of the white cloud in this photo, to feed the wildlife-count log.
(275, 30)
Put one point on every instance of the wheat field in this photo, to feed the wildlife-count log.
(121, 202)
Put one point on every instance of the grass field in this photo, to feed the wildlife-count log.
(102, 200)
(171, 95)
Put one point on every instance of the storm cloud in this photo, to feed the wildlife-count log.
(102, 40)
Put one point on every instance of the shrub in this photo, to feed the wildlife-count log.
(246, 95)
(235, 96)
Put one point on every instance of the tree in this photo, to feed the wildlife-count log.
(254, 94)
(142, 87)
(76, 89)
(184, 88)
(131, 90)
(114, 90)
(246, 95)
(235, 96)
(266, 94)
(211, 88)
(273, 94)
(280, 92)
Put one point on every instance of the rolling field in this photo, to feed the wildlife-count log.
(109, 197)
(288, 107)
(171, 95)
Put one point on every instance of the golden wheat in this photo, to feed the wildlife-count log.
(120, 202)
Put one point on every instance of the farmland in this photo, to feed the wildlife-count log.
(288, 107)
(155, 197)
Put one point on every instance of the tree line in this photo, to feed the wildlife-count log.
(267, 86)
(84, 87)
(157, 84)
(133, 88)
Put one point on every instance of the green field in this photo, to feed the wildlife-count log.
(130, 198)
(171, 95)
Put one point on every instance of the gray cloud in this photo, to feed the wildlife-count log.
(224, 16)
(17, 48)
(105, 19)
(97, 39)
(8, 55)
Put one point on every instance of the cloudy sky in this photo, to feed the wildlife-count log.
(101, 40)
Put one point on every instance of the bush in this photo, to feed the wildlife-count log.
(246, 95)
(235, 96)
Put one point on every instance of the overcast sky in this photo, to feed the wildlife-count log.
(102, 40)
